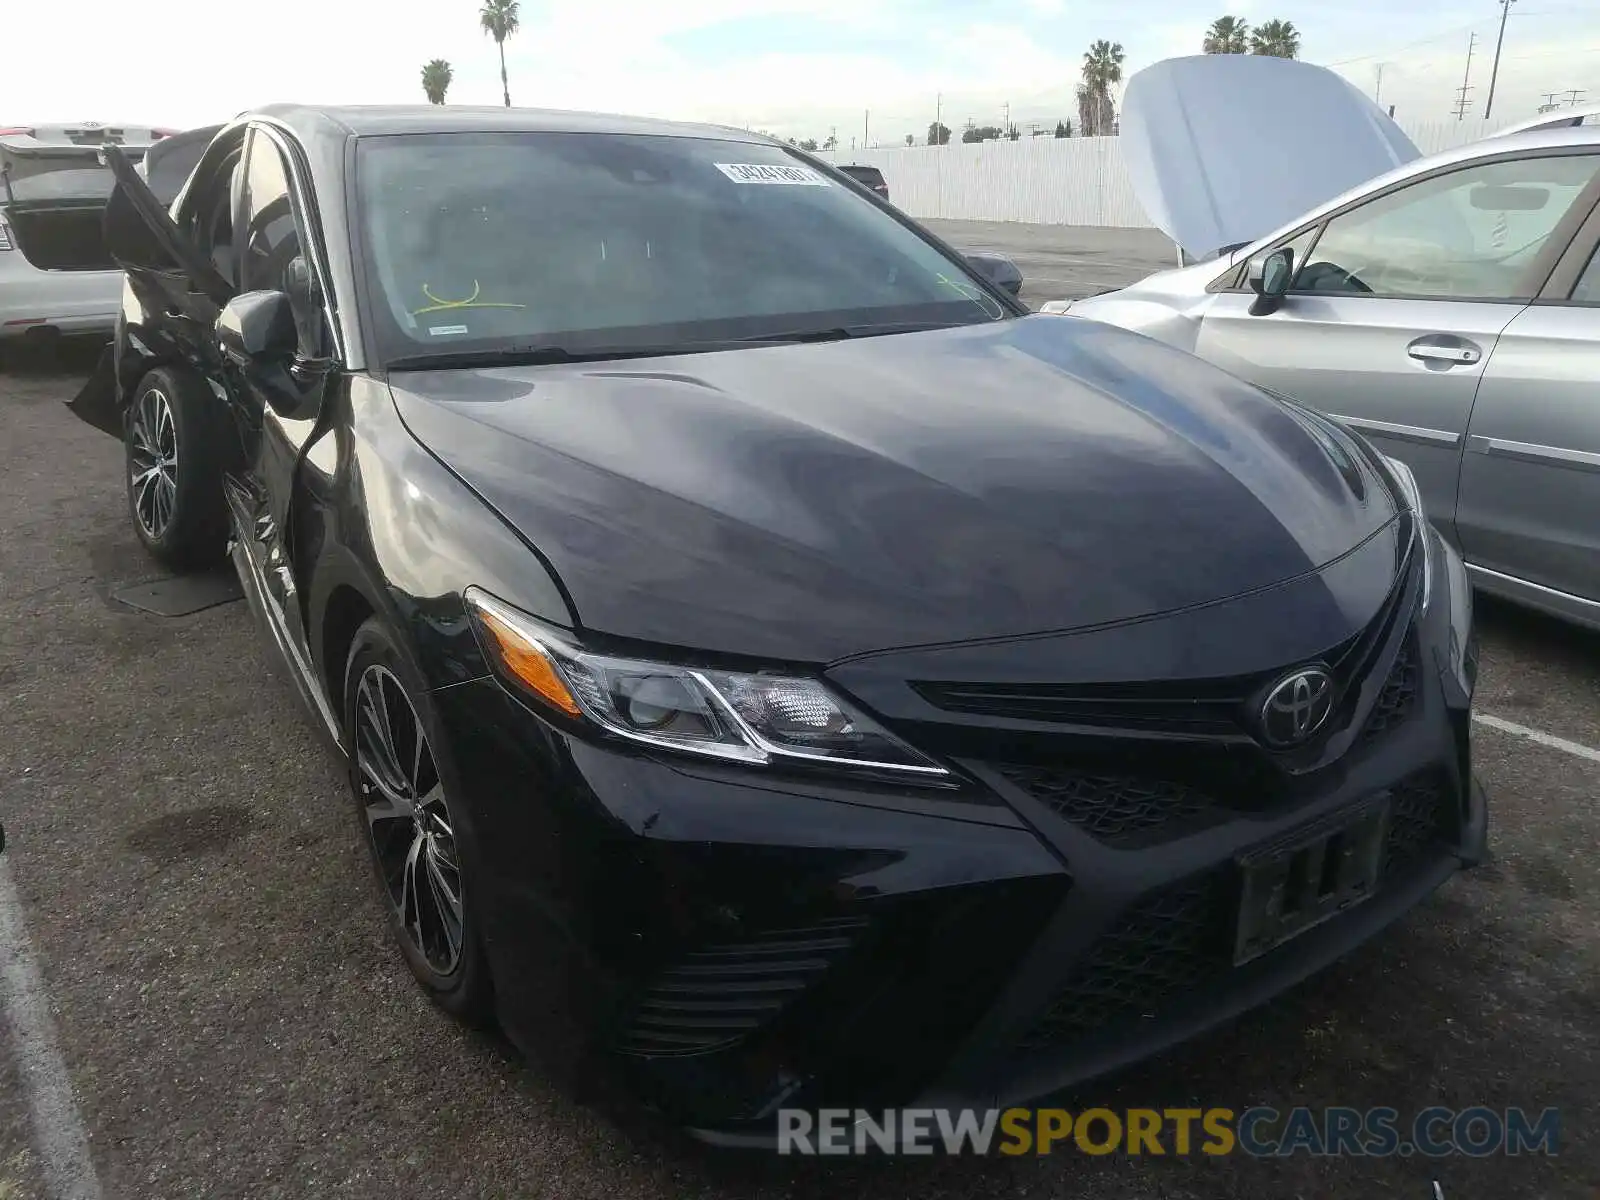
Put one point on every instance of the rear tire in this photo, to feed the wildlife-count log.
(175, 443)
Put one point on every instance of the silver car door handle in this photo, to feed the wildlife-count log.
(1451, 354)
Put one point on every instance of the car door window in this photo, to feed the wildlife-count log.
(208, 216)
(1588, 289)
(1470, 234)
(271, 238)
(271, 243)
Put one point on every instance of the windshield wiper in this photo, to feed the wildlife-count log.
(542, 355)
(839, 333)
(534, 356)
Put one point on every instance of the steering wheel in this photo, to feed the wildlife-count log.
(1329, 277)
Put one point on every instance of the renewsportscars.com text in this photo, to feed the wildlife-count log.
(1259, 1132)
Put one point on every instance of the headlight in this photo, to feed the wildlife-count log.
(1411, 497)
(756, 718)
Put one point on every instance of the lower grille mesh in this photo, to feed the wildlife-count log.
(1179, 939)
(1165, 944)
(719, 994)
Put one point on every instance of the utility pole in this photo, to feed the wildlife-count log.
(1494, 73)
(938, 111)
(1377, 92)
(866, 118)
(1005, 124)
(1466, 80)
(1574, 95)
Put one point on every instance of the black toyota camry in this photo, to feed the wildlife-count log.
(772, 667)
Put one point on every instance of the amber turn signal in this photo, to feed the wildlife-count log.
(524, 660)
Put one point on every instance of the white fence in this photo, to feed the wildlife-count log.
(1052, 181)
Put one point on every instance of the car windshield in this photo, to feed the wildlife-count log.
(482, 242)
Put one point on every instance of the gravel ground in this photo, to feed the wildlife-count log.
(235, 1024)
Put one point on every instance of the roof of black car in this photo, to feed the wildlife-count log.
(378, 120)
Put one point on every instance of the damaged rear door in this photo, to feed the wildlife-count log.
(177, 269)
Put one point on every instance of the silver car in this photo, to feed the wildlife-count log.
(1449, 310)
(55, 273)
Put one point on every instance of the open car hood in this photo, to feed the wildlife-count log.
(1222, 149)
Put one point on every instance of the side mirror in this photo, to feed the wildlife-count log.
(997, 269)
(257, 329)
(256, 332)
(1270, 276)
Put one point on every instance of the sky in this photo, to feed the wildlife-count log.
(874, 70)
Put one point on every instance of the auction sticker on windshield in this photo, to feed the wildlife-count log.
(766, 173)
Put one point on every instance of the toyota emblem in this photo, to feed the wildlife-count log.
(1297, 706)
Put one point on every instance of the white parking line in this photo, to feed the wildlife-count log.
(1576, 749)
(57, 1126)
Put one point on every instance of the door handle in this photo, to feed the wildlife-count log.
(1464, 354)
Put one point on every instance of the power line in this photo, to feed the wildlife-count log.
(1437, 37)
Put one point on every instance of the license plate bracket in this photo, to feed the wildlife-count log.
(1303, 880)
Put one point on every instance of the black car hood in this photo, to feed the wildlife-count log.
(811, 502)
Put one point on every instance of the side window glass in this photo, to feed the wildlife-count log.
(1471, 234)
(271, 240)
(1588, 289)
(270, 249)
(207, 216)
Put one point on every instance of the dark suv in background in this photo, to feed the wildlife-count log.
(868, 177)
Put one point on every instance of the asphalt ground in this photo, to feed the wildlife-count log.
(231, 1021)
(1061, 262)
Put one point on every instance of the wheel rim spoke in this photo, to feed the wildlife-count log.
(408, 819)
(153, 465)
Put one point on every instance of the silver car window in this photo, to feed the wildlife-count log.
(1588, 289)
(1472, 233)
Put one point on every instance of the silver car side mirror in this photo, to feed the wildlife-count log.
(1270, 276)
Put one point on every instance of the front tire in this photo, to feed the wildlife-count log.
(174, 445)
(409, 827)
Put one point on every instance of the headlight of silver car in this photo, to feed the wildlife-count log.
(1411, 498)
(750, 717)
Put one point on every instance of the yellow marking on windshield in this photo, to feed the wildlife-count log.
(472, 301)
(967, 292)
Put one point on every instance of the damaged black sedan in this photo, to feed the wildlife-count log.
(771, 666)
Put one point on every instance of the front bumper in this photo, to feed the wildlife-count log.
(729, 943)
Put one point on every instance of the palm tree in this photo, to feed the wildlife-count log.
(436, 77)
(499, 21)
(1227, 35)
(1276, 39)
(1102, 70)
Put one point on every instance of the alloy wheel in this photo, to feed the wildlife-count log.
(153, 465)
(408, 819)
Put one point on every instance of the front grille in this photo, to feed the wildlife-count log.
(1115, 808)
(1179, 939)
(1166, 944)
(1397, 698)
(717, 995)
